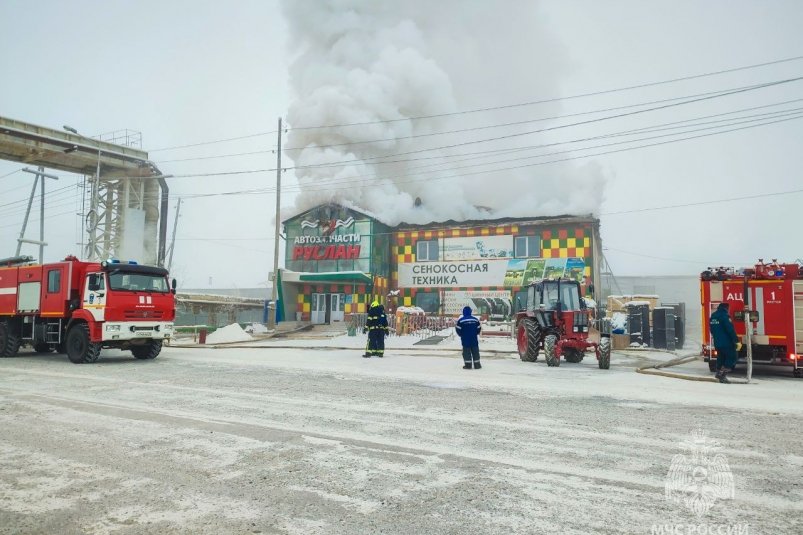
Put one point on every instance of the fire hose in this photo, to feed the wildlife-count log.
(654, 369)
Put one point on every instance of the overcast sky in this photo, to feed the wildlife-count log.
(194, 72)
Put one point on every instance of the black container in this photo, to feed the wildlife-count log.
(663, 328)
(638, 323)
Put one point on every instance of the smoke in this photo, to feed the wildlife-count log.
(382, 66)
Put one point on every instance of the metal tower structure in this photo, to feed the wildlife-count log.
(127, 194)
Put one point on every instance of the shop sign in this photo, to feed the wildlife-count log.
(505, 273)
(326, 252)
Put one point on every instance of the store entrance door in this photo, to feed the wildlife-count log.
(338, 308)
(318, 309)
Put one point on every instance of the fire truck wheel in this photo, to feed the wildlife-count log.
(573, 355)
(42, 347)
(798, 372)
(550, 350)
(604, 360)
(80, 348)
(528, 340)
(712, 364)
(148, 351)
(9, 342)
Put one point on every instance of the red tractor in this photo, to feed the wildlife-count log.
(556, 320)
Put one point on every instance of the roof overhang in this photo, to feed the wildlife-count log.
(333, 277)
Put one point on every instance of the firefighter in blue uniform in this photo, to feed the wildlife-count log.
(377, 327)
(725, 342)
(468, 328)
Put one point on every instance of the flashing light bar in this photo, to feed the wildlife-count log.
(117, 261)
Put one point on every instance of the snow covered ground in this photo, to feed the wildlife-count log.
(302, 435)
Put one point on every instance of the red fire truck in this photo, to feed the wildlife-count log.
(79, 307)
(775, 310)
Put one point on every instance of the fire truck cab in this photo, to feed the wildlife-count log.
(78, 308)
(774, 303)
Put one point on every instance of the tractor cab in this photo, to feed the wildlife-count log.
(560, 295)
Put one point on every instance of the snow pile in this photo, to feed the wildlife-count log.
(256, 328)
(410, 310)
(619, 320)
(229, 333)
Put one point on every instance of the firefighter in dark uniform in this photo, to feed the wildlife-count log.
(377, 327)
(726, 342)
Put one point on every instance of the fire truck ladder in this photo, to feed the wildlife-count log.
(53, 332)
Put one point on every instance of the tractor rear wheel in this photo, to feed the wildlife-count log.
(148, 351)
(604, 359)
(573, 355)
(9, 341)
(80, 348)
(527, 340)
(551, 350)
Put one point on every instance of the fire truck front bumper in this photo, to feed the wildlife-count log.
(140, 330)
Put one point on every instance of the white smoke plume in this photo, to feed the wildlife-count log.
(387, 65)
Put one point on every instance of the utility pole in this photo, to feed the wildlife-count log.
(40, 175)
(275, 289)
(173, 240)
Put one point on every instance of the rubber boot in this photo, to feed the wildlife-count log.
(477, 365)
(723, 377)
(467, 366)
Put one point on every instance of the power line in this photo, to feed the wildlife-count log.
(214, 141)
(253, 171)
(703, 203)
(696, 98)
(12, 172)
(37, 196)
(350, 181)
(464, 130)
(556, 99)
(655, 257)
(492, 108)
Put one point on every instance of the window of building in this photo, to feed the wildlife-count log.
(54, 281)
(429, 302)
(426, 251)
(527, 246)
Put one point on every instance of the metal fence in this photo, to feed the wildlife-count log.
(420, 325)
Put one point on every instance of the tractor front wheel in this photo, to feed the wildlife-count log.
(527, 340)
(604, 359)
(551, 350)
(80, 348)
